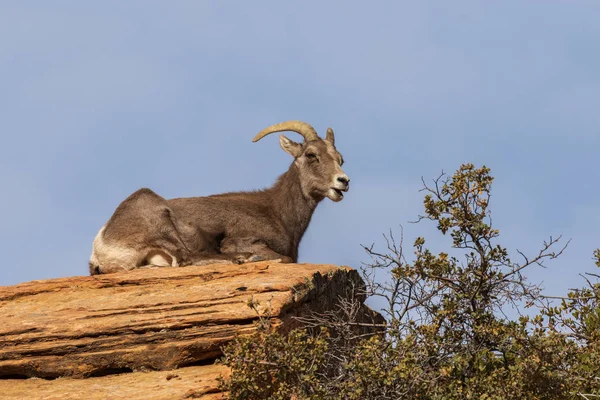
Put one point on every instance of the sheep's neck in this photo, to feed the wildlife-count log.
(292, 206)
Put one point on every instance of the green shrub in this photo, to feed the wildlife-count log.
(447, 334)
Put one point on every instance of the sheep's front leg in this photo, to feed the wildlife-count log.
(266, 254)
(227, 258)
(260, 250)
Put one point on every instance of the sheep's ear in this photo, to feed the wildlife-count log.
(289, 146)
(330, 136)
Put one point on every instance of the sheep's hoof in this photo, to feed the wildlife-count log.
(243, 258)
(248, 258)
(284, 260)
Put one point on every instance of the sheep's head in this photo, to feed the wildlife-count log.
(318, 161)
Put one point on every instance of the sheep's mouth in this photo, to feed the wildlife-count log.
(338, 192)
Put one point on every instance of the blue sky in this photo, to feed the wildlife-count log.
(99, 99)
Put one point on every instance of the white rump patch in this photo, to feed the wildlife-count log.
(110, 256)
(161, 259)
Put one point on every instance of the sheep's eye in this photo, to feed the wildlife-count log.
(311, 156)
(341, 162)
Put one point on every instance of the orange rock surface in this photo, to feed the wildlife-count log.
(127, 332)
(185, 383)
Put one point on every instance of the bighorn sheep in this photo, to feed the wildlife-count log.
(238, 227)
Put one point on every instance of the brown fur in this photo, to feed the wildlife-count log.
(232, 227)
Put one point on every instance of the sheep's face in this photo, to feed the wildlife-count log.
(320, 167)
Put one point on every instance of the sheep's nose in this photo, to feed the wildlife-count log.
(344, 179)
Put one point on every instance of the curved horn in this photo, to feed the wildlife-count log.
(300, 127)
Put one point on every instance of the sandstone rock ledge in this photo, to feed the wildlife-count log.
(151, 333)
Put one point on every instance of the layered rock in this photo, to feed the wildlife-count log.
(195, 382)
(123, 329)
